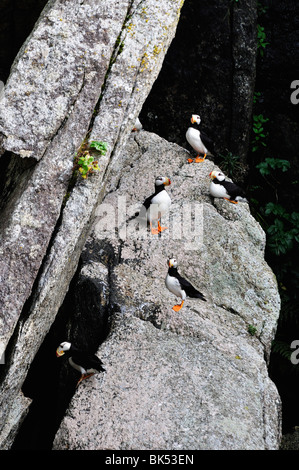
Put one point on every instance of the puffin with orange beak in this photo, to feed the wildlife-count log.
(156, 205)
(221, 188)
(179, 286)
(198, 140)
(138, 126)
(85, 363)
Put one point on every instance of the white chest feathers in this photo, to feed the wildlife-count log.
(174, 286)
(217, 190)
(193, 137)
(160, 204)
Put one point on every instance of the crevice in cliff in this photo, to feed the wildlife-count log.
(84, 319)
(15, 172)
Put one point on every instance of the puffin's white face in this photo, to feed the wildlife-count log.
(172, 263)
(217, 174)
(65, 346)
(195, 119)
(162, 180)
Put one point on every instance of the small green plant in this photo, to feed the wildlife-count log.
(229, 163)
(261, 40)
(269, 164)
(85, 163)
(99, 146)
(258, 131)
(252, 330)
(283, 230)
(261, 9)
(282, 227)
(256, 96)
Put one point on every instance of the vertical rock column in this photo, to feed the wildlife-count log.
(115, 51)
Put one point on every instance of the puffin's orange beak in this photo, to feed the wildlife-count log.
(192, 120)
(59, 352)
(167, 182)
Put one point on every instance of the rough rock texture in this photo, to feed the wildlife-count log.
(107, 56)
(196, 379)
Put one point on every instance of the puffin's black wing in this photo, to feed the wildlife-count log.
(233, 190)
(142, 212)
(147, 201)
(207, 141)
(189, 289)
(88, 360)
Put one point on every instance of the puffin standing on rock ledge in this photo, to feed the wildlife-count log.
(179, 286)
(219, 187)
(157, 204)
(198, 140)
(87, 364)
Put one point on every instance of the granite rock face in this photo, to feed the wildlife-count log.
(193, 379)
(86, 67)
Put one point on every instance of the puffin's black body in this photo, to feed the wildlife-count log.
(84, 362)
(149, 200)
(179, 286)
(156, 205)
(222, 188)
(190, 290)
(232, 189)
(198, 140)
(85, 359)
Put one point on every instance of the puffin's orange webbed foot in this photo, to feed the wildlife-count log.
(154, 231)
(229, 200)
(83, 377)
(161, 229)
(198, 159)
(190, 160)
(176, 308)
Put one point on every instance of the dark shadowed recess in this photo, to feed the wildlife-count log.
(51, 381)
(17, 20)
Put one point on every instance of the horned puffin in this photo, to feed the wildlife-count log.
(198, 140)
(157, 204)
(87, 364)
(180, 286)
(138, 126)
(220, 187)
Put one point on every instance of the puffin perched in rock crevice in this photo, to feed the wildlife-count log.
(138, 126)
(156, 205)
(87, 364)
(220, 187)
(179, 286)
(199, 141)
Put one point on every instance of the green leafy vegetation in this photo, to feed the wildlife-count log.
(85, 163)
(99, 146)
(256, 96)
(259, 134)
(270, 164)
(230, 164)
(273, 202)
(261, 9)
(261, 40)
(252, 330)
